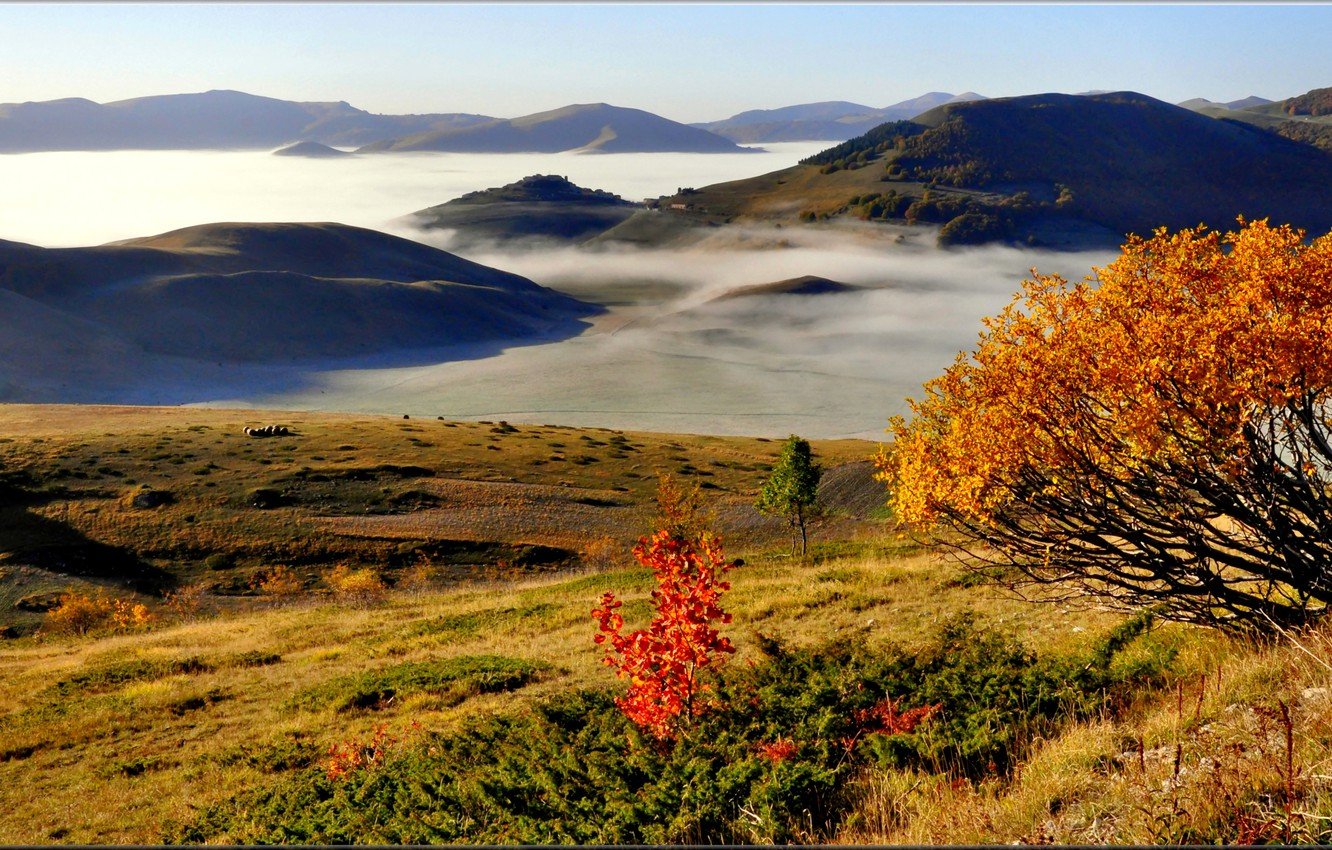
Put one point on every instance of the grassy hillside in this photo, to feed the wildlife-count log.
(542, 206)
(473, 688)
(155, 499)
(1042, 169)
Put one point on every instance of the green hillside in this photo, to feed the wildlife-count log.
(1023, 168)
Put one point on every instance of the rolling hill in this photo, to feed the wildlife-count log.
(207, 120)
(539, 207)
(588, 126)
(825, 121)
(1035, 168)
(1305, 118)
(261, 293)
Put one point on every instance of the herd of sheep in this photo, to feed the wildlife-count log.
(267, 431)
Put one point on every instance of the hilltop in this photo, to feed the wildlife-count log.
(216, 119)
(313, 150)
(1055, 170)
(593, 127)
(539, 207)
(244, 293)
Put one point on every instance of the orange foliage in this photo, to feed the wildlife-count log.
(79, 614)
(280, 582)
(360, 587)
(1157, 432)
(663, 662)
(349, 756)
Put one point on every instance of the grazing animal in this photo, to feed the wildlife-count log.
(268, 431)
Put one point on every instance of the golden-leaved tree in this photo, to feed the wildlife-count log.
(1157, 434)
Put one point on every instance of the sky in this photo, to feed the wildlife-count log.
(685, 61)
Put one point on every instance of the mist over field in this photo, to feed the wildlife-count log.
(665, 356)
(67, 199)
(668, 357)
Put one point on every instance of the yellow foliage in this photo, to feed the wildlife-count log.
(79, 614)
(1159, 398)
(361, 586)
(280, 582)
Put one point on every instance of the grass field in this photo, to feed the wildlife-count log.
(131, 737)
(152, 499)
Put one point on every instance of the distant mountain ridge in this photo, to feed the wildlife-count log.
(206, 120)
(825, 121)
(593, 127)
(1304, 118)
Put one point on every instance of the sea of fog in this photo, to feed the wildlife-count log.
(665, 356)
(72, 198)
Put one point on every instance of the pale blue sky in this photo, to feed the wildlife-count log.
(688, 62)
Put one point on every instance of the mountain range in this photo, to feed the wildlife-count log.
(592, 127)
(826, 121)
(208, 120)
(236, 120)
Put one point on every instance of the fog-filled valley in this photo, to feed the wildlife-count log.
(669, 353)
(72, 198)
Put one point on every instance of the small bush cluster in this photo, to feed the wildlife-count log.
(280, 582)
(81, 614)
(357, 587)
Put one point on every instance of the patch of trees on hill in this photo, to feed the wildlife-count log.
(864, 148)
(1316, 102)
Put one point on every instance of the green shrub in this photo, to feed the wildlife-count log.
(765, 765)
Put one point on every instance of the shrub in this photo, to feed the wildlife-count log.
(768, 765)
(280, 582)
(1155, 436)
(80, 614)
(664, 662)
(188, 602)
(358, 587)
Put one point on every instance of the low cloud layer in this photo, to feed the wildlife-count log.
(664, 357)
(669, 357)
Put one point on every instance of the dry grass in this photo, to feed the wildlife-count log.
(367, 491)
(1206, 759)
(150, 749)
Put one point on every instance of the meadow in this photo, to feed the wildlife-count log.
(459, 696)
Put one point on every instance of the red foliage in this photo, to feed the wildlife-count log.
(884, 718)
(662, 662)
(353, 755)
(783, 749)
